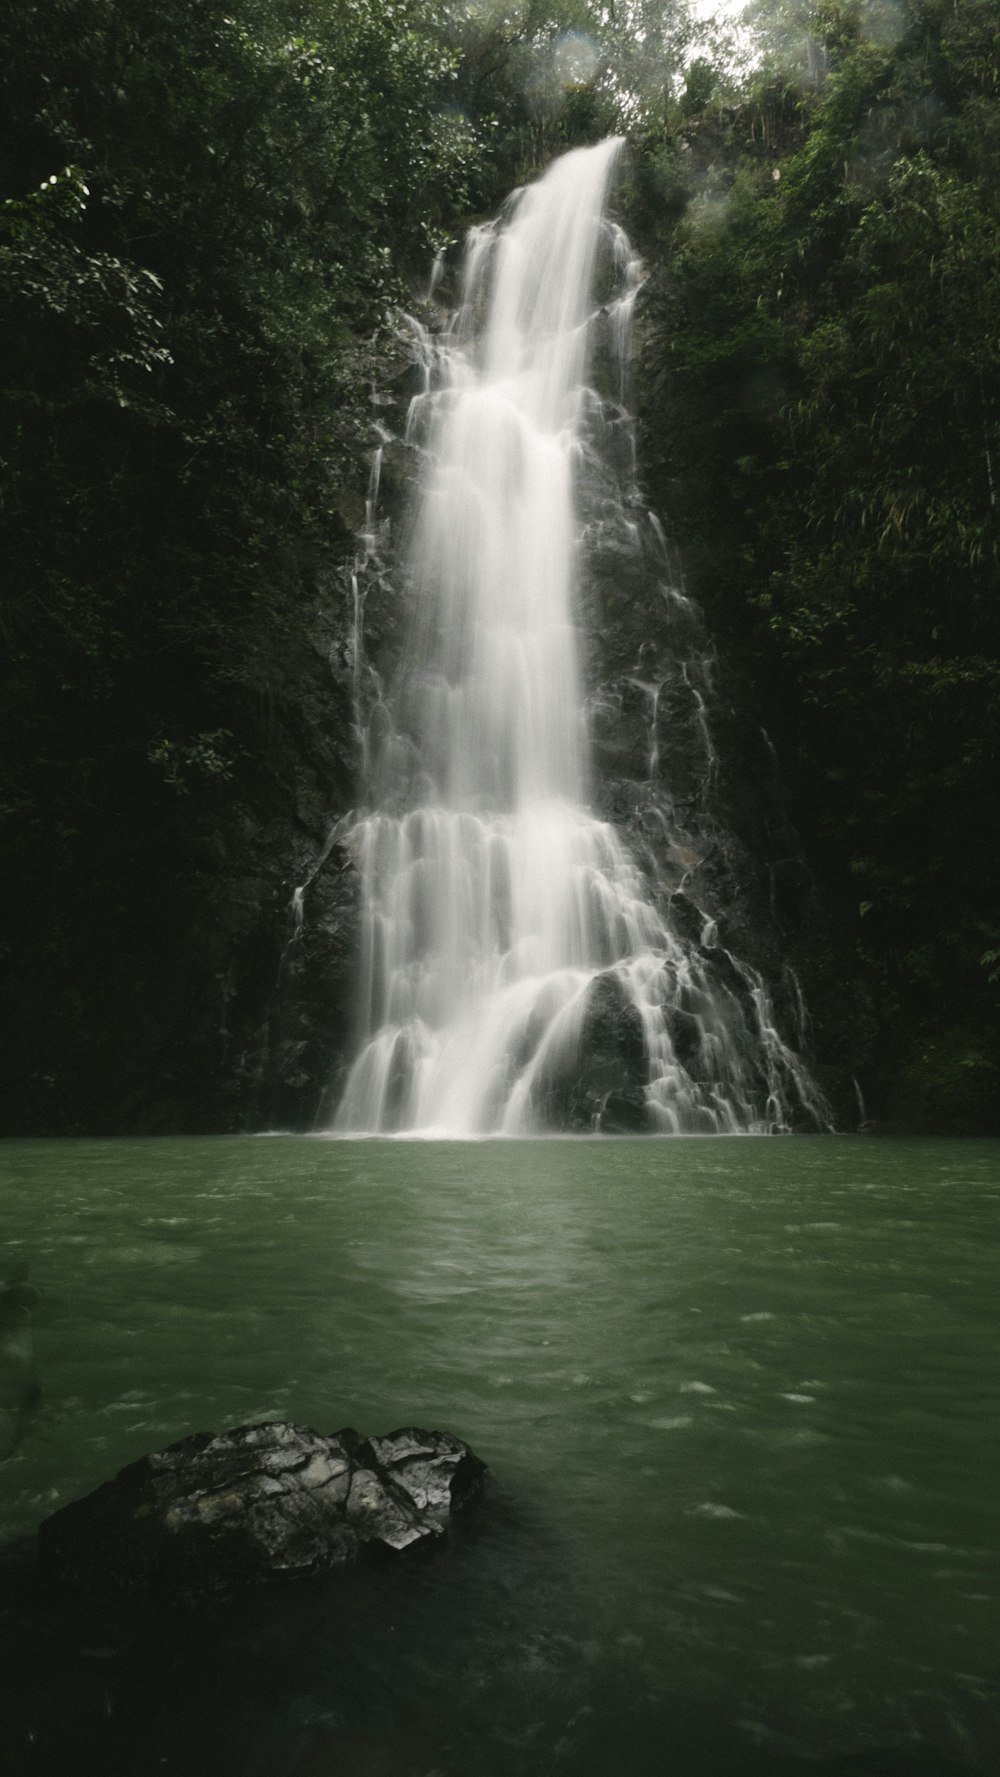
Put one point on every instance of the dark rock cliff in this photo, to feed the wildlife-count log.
(685, 768)
(154, 981)
(192, 970)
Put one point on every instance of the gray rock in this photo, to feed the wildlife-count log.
(433, 1468)
(261, 1502)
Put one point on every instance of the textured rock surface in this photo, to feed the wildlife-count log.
(179, 991)
(604, 1088)
(257, 1503)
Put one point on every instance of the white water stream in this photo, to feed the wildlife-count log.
(502, 924)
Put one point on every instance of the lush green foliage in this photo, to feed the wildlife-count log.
(830, 322)
(207, 219)
(204, 222)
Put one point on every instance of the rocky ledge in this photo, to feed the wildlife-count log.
(259, 1503)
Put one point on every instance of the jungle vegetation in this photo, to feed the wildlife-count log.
(211, 216)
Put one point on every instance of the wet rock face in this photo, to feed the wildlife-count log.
(603, 1089)
(262, 1502)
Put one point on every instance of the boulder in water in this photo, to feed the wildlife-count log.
(258, 1503)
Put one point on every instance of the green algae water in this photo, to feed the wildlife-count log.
(739, 1399)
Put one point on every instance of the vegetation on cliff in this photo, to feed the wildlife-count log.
(824, 342)
(208, 219)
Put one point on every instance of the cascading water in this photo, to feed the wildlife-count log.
(508, 937)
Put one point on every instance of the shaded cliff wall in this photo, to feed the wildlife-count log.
(149, 975)
(685, 766)
(167, 977)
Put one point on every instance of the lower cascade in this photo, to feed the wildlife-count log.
(518, 973)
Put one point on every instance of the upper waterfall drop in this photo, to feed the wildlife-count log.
(503, 925)
(501, 725)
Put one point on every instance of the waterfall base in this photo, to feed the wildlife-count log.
(559, 999)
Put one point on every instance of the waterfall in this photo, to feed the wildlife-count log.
(516, 971)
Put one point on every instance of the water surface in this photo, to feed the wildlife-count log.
(738, 1398)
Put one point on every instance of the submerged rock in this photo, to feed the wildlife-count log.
(258, 1503)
